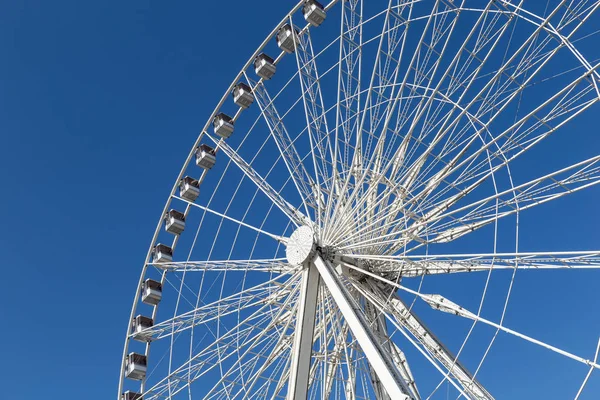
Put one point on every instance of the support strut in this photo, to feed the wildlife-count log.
(379, 359)
(303, 338)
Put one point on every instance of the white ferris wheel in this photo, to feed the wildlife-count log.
(359, 197)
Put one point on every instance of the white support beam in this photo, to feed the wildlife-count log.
(379, 359)
(438, 350)
(395, 307)
(378, 321)
(403, 367)
(379, 328)
(303, 337)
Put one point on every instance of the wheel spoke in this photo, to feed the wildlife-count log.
(473, 216)
(307, 189)
(316, 121)
(541, 190)
(588, 374)
(381, 361)
(395, 267)
(277, 266)
(396, 308)
(291, 212)
(257, 328)
(259, 358)
(267, 293)
(440, 303)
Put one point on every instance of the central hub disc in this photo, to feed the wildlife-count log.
(300, 246)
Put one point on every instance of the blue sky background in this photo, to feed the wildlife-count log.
(99, 105)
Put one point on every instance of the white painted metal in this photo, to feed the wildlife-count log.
(411, 266)
(379, 359)
(416, 327)
(298, 172)
(397, 308)
(377, 325)
(283, 205)
(402, 365)
(303, 337)
(440, 303)
(300, 247)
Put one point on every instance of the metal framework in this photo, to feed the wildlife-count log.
(383, 167)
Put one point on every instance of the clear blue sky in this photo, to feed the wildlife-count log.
(99, 105)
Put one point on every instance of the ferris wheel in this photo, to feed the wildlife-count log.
(349, 223)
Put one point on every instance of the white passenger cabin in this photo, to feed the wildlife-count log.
(223, 124)
(189, 188)
(264, 66)
(151, 292)
(162, 253)
(139, 325)
(205, 157)
(285, 38)
(242, 95)
(136, 366)
(129, 395)
(174, 222)
(314, 12)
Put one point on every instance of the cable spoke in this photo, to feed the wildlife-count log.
(440, 303)
(258, 327)
(278, 266)
(316, 121)
(466, 219)
(267, 293)
(304, 183)
(395, 308)
(291, 212)
(395, 267)
(258, 357)
(522, 197)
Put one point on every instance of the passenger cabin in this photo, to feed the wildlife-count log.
(223, 123)
(151, 292)
(162, 253)
(205, 157)
(138, 325)
(129, 395)
(136, 366)
(264, 66)
(242, 95)
(174, 222)
(285, 38)
(314, 12)
(189, 188)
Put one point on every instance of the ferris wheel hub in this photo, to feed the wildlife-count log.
(301, 245)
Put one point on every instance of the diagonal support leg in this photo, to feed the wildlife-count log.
(303, 338)
(380, 330)
(379, 359)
